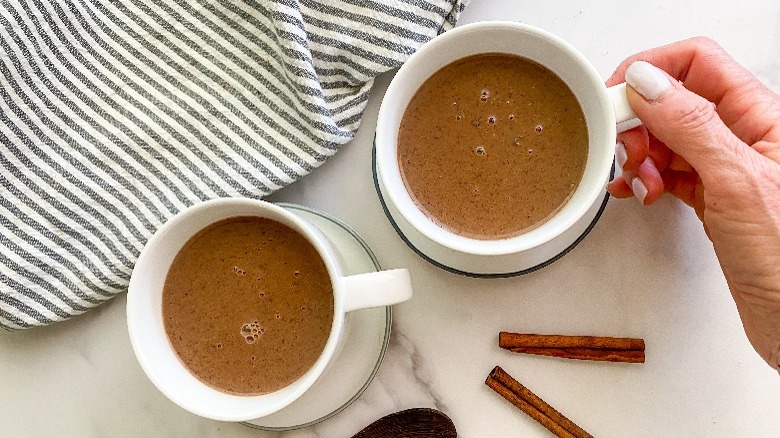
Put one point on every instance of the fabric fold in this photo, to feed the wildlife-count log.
(114, 116)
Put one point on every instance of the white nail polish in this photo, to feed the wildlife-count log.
(640, 191)
(621, 156)
(647, 79)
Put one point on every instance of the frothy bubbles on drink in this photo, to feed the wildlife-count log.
(480, 150)
(251, 332)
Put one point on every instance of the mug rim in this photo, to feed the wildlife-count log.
(139, 307)
(401, 198)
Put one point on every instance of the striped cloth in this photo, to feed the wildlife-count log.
(117, 114)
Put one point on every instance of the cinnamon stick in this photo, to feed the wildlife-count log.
(525, 400)
(628, 350)
(625, 356)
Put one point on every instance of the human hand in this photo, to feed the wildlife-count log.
(711, 137)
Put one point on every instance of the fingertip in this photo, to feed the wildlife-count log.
(648, 186)
(640, 190)
(621, 155)
(619, 75)
(647, 79)
(619, 188)
(635, 147)
(645, 184)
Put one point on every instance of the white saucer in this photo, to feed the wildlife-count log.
(364, 345)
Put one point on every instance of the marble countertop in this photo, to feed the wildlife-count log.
(642, 272)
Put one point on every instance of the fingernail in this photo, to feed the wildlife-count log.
(621, 156)
(640, 191)
(647, 79)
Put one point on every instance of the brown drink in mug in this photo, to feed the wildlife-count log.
(198, 350)
(465, 207)
(492, 145)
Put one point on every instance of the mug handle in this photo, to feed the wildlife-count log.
(376, 289)
(624, 115)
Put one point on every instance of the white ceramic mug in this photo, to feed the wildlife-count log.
(606, 110)
(151, 344)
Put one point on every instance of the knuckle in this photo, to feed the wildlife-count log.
(711, 51)
(707, 42)
(698, 116)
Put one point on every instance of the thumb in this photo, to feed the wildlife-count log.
(686, 122)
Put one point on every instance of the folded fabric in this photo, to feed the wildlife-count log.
(116, 115)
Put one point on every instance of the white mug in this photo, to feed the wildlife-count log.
(606, 110)
(158, 358)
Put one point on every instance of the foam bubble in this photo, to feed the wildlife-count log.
(480, 150)
(251, 331)
(538, 128)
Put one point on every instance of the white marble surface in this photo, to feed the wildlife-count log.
(643, 272)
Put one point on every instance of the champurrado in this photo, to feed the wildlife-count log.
(248, 305)
(492, 145)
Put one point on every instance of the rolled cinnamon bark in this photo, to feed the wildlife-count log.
(511, 340)
(628, 350)
(525, 400)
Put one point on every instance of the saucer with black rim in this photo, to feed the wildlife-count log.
(576, 235)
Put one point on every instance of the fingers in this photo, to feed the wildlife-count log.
(679, 180)
(704, 67)
(645, 182)
(682, 185)
(745, 105)
(632, 148)
(683, 121)
(619, 188)
(677, 162)
(642, 158)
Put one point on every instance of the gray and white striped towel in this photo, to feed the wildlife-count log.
(115, 115)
